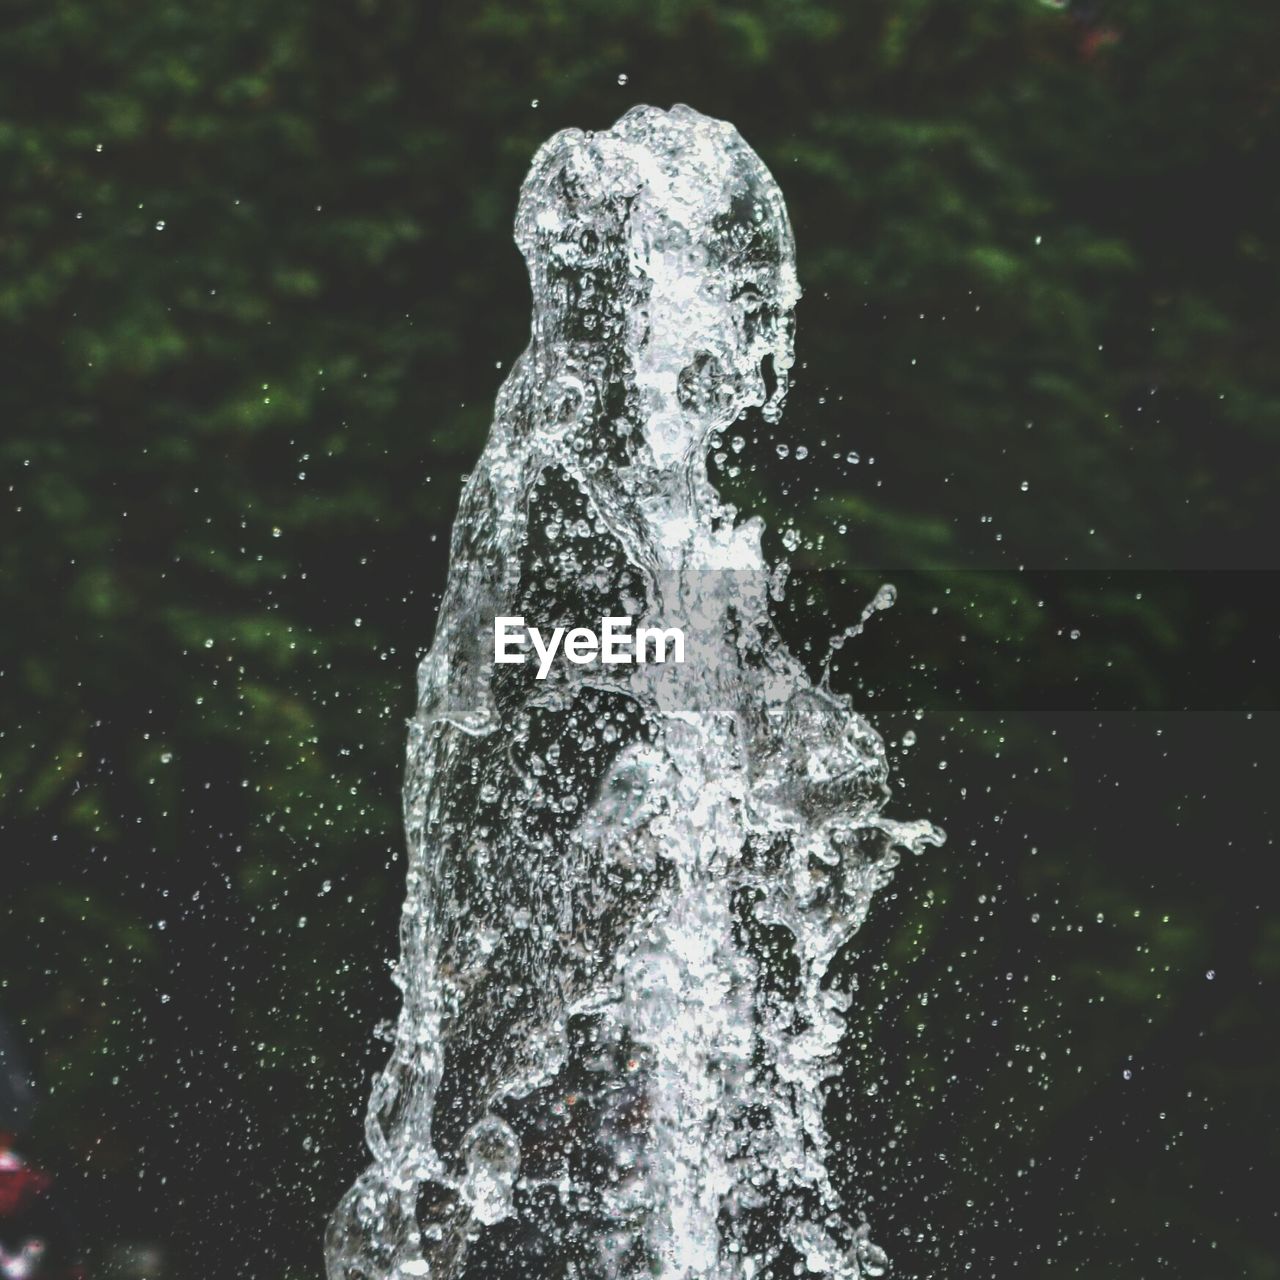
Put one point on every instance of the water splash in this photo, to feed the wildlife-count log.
(626, 884)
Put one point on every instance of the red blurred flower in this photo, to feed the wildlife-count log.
(19, 1182)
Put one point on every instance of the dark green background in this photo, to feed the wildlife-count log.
(256, 280)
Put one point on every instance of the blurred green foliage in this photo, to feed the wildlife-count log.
(256, 281)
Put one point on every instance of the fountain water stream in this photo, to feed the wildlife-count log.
(626, 884)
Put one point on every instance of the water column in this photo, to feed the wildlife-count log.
(626, 884)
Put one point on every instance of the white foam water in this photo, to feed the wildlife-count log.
(627, 884)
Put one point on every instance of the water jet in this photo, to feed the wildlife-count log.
(627, 882)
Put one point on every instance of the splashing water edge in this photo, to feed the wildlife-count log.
(625, 887)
